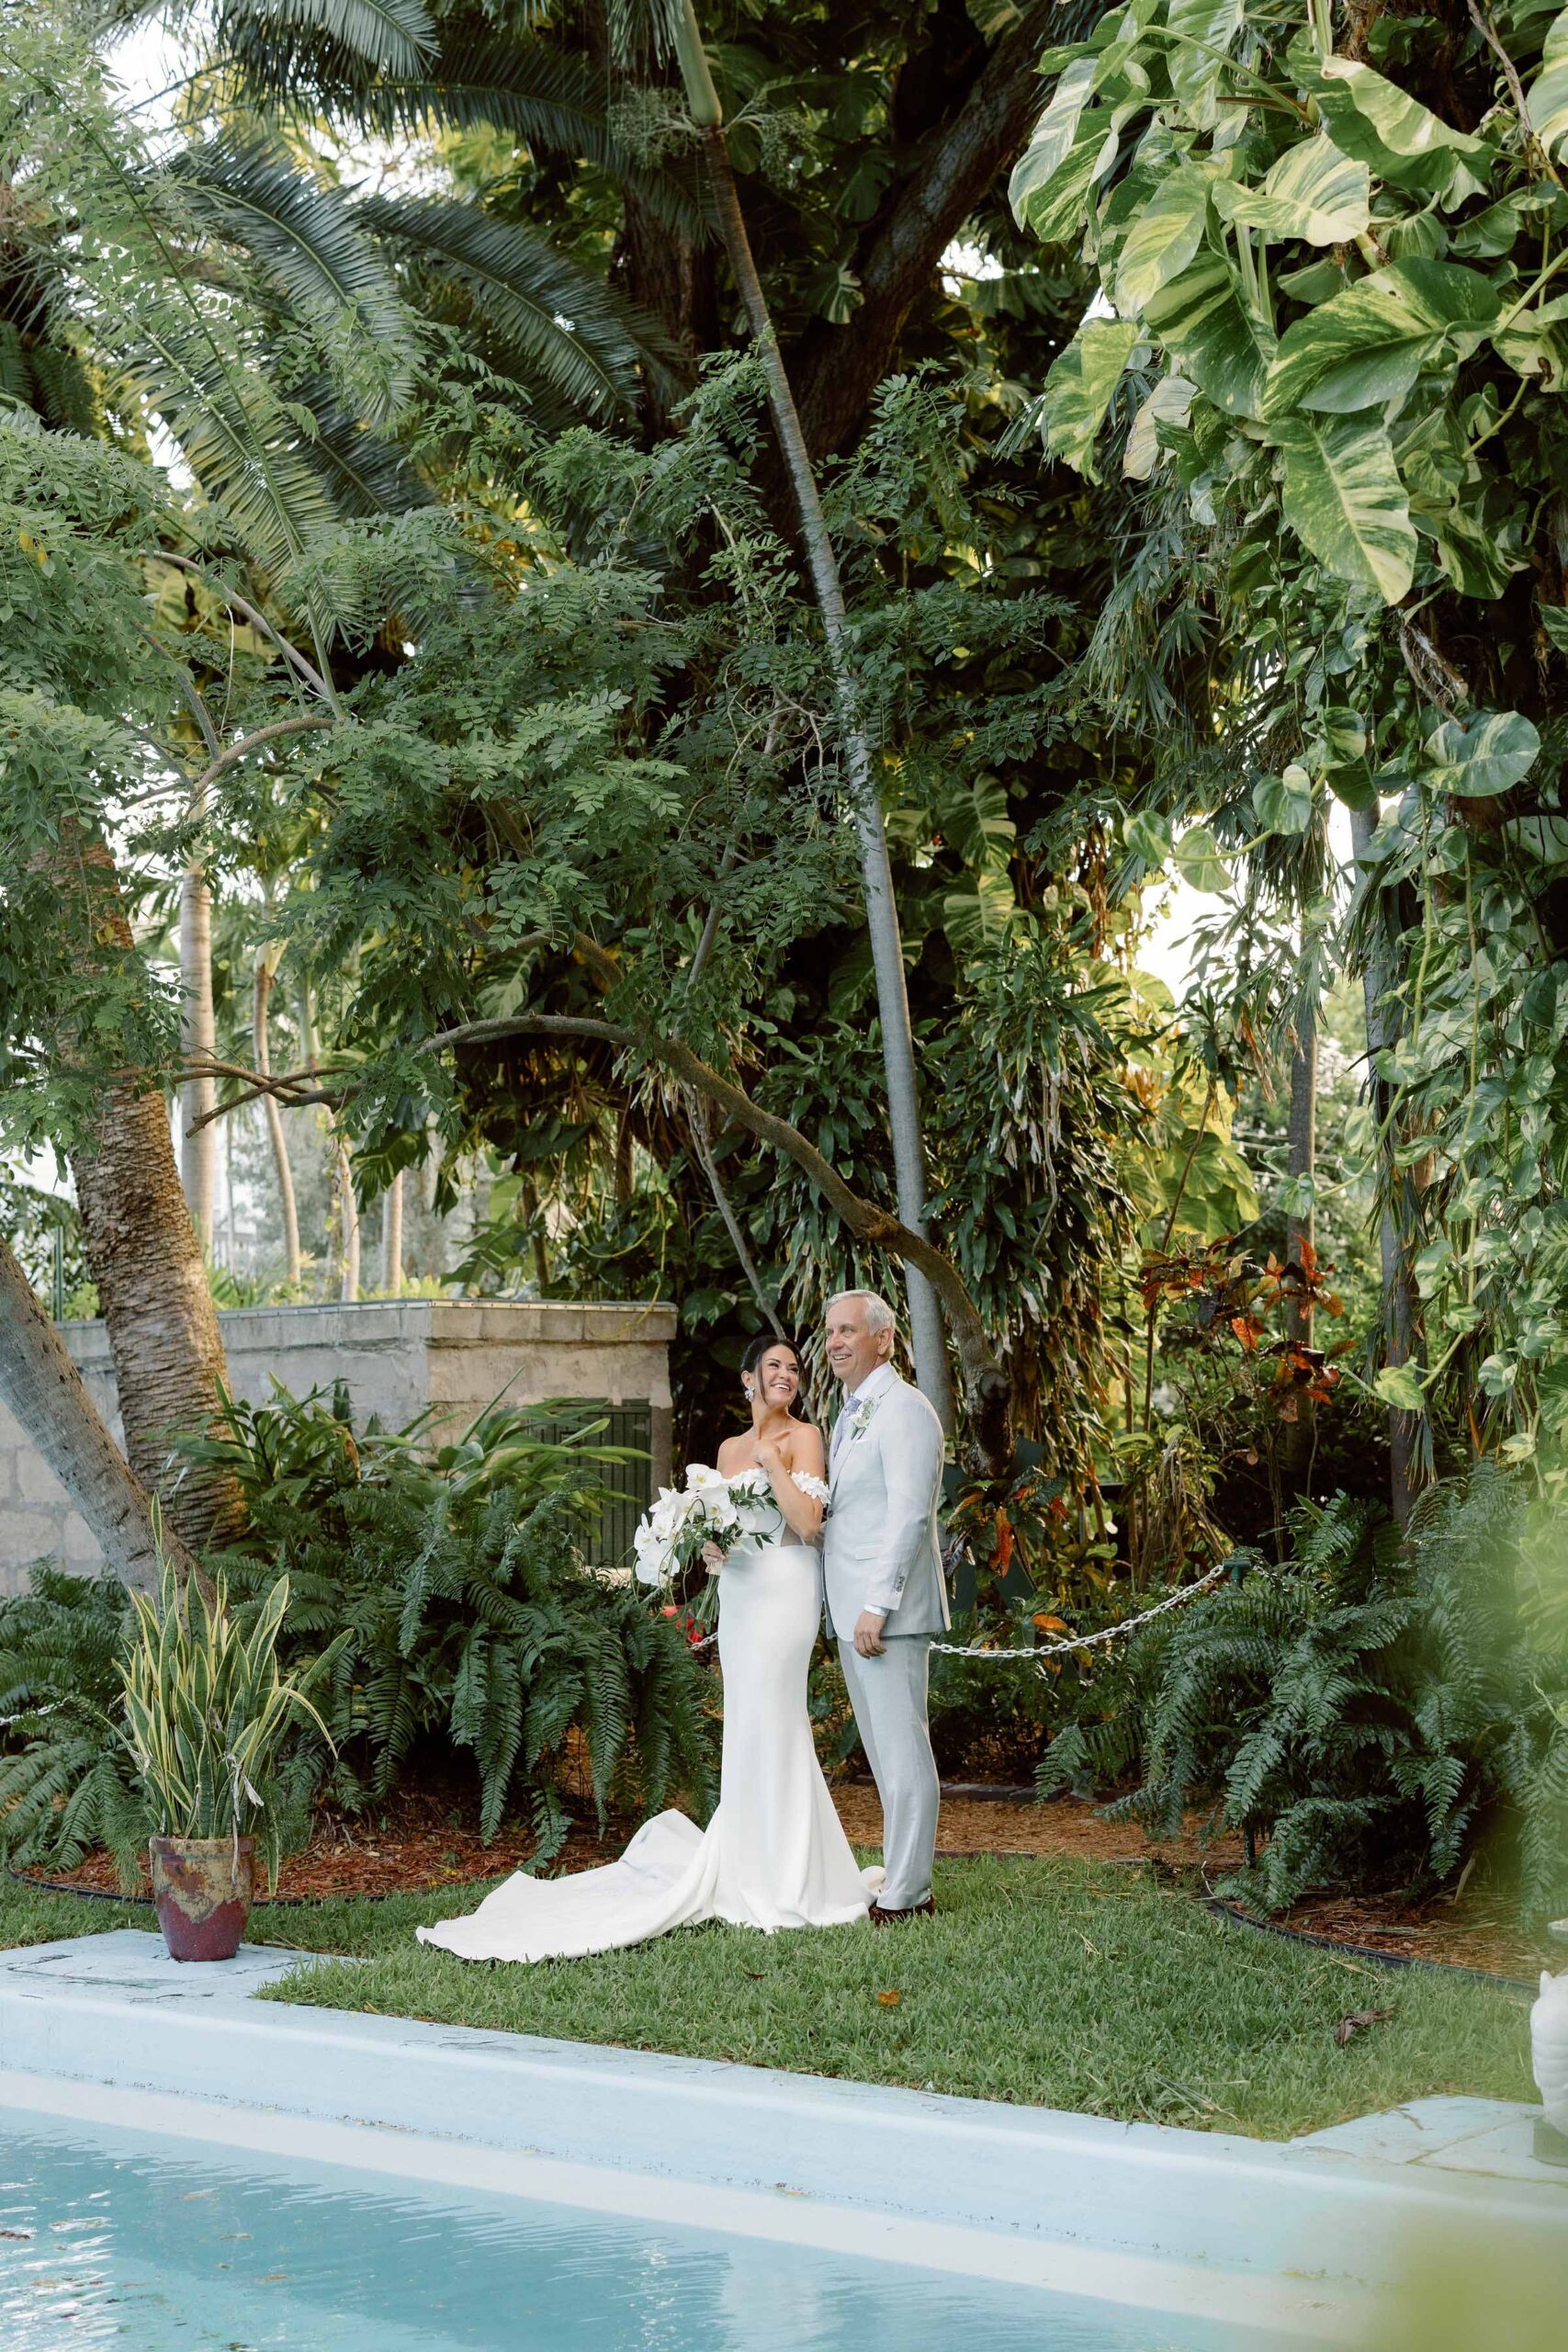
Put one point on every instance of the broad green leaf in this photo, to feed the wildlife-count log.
(1492, 754)
(1199, 316)
(1312, 192)
(1202, 31)
(1344, 736)
(1536, 343)
(1170, 402)
(1052, 179)
(1376, 122)
(1545, 838)
(1344, 499)
(1350, 781)
(1368, 345)
(1078, 387)
(981, 915)
(1164, 237)
(1201, 861)
(1473, 554)
(1282, 804)
(1547, 97)
(1148, 835)
(1401, 1386)
(1554, 621)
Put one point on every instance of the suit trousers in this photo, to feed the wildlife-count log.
(888, 1695)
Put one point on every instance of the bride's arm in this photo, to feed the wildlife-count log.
(801, 1511)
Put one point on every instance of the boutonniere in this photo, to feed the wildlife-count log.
(864, 1414)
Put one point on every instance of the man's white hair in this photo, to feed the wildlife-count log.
(879, 1316)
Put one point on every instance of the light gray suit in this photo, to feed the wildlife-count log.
(880, 1550)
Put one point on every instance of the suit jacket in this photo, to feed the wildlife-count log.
(881, 1548)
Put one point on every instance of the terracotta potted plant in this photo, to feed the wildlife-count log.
(206, 1712)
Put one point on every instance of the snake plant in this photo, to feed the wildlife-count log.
(206, 1710)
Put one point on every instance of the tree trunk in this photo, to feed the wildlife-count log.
(45, 1391)
(138, 1242)
(1301, 1232)
(876, 881)
(1398, 1284)
(142, 1253)
(198, 1045)
(392, 1236)
(261, 1000)
(348, 1223)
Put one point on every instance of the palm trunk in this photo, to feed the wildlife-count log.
(1398, 1312)
(392, 1236)
(876, 880)
(261, 1000)
(348, 1225)
(139, 1244)
(43, 1389)
(1300, 1230)
(198, 1045)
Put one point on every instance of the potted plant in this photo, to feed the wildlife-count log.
(206, 1711)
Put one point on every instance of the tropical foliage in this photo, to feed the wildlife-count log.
(432, 1603)
(1371, 1713)
(1323, 339)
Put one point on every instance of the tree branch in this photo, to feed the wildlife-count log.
(258, 620)
(836, 371)
(697, 1117)
(237, 751)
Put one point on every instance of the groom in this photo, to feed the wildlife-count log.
(882, 1571)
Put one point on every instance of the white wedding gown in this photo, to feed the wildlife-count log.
(774, 1855)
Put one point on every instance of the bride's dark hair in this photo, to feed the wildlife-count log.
(765, 1344)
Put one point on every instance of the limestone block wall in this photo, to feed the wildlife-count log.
(397, 1356)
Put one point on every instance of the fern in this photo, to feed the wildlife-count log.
(1373, 1713)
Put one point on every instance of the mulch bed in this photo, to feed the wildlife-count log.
(428, 1838)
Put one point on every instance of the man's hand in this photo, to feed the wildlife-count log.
(868, 1632)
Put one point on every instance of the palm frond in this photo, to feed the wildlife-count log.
(304, 234)
(543, 314)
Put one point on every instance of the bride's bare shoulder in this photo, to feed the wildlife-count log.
(806, 1449)
(731, 1455)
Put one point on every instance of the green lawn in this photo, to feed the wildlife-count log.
(1052, 1982)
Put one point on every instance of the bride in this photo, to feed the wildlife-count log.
(775, 1854)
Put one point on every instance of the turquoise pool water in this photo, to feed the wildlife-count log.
(114, 2238)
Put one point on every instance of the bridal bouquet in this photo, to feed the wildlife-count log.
(713, 1510)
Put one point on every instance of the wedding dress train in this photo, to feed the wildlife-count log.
(774, 1855)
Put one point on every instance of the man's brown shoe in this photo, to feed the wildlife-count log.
(880, 1918)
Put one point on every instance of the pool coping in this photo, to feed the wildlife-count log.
(106, 2026)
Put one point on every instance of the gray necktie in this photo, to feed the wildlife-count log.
(840, 1426)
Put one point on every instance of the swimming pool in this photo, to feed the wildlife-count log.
(125, 2239)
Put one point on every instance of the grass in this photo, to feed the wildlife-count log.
(1046, 1982)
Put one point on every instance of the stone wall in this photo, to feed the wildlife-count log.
(397, 1356)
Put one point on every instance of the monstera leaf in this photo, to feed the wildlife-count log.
(1547, 97)
(1078, 387)
(1170, 402)
(1199, 316)
(1072, 145)
(1282, 804)
(1380, 125)
(1313, 192)
(1495, 751)
(1344, 499)
(1367, 345)
(1201, 31)
(1164, 237)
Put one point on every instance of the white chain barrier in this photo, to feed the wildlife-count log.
(1088, 1641)
(1076, 1642)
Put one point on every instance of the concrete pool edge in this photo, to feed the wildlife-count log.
(255, 2138)
(1299, 2223)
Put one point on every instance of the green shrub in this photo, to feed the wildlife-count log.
(451, 1587)
(1371, 1713)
